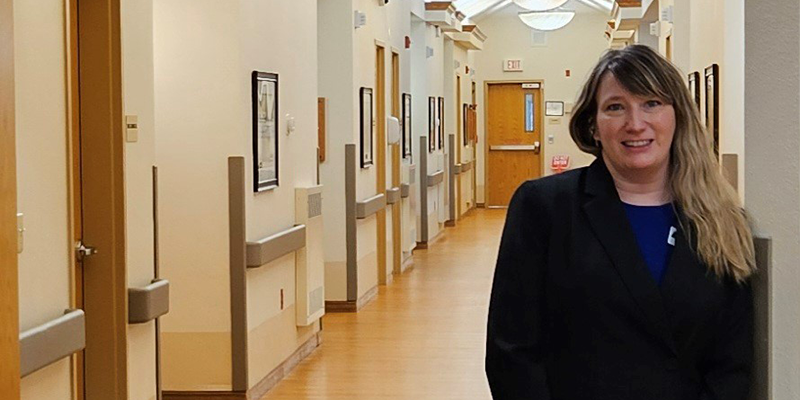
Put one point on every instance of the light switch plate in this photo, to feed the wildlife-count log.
(131, 128)
(20, 232)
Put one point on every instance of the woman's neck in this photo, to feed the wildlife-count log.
(642, 188)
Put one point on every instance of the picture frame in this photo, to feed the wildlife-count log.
(264, 96)
(554, 108)
(365, 97)
(694, 88)
(406, 125)
(431, 124)
(712, 104)
(465, 124)
(441, 123)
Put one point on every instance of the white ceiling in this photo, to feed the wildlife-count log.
(481, 8)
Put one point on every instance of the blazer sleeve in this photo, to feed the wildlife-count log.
(516, 328)
(727, 371)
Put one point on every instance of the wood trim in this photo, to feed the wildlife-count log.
(103, 192)
(438, 5)
(629, 3)
(74, 185)
(9, 283)
(322, 126)
(397, 210)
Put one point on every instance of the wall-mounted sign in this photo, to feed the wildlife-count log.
(512, 65)
(559, 163)
(554, 108)
(531, 86)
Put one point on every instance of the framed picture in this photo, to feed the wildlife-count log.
(265, 130)
(554, 108)
(712, 104)
(694, 87)
(366, 127)
(465, 124)
(431, 124)
(441, 122)
(406, 125)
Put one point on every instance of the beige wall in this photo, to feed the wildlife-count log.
(772, 118)
(137, 45)
(42, 193)
(347, 62)
(203, 116)
(508, 37)
(710, 32)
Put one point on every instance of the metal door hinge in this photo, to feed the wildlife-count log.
(82, 251)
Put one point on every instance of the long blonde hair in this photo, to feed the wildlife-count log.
(709, 204)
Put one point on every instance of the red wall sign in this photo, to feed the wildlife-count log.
(559, 163)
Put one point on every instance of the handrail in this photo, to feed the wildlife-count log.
(148, 303)
(467, 166)
(392, 195)
(52, 341)
(370, 206)
(435, 178)
(405, 190)
(457, 169)
(276, 246)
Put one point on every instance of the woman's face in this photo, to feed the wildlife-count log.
(635, 132)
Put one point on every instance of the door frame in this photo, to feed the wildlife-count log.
(486, 168)
(97, 183)
(9, 281)
(380, 157)
(397, 246)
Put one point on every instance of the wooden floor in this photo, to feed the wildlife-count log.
(421, 338)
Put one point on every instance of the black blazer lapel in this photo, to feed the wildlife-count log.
(610, 224)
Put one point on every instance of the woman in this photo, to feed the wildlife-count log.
(627, 279)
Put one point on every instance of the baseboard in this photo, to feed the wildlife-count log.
(450, 223)
(480, 205)
(185, 395)
(407, 265)
(261, 388)
(421, 246)
(282, 371)
(350, 306)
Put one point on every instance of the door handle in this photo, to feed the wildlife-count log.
(537, 147)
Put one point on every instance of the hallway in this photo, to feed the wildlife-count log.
(421, 338)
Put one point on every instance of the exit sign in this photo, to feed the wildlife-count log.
(512, 65)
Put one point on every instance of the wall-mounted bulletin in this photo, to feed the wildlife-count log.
(466, 124)
(431, 124)
(406, 125)
(366, 127)
(712, 104)
(554, 108)
(441, 122)
(265, 130)
(694, 87)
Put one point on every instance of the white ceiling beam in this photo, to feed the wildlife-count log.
(495, 6)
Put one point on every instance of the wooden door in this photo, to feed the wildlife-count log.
(514, 126)
(9, 282)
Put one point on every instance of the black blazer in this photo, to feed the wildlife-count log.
(576, 315)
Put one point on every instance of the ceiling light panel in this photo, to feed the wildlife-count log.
(547, 21)
(540, 5)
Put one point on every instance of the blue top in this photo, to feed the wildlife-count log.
(654, 228)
